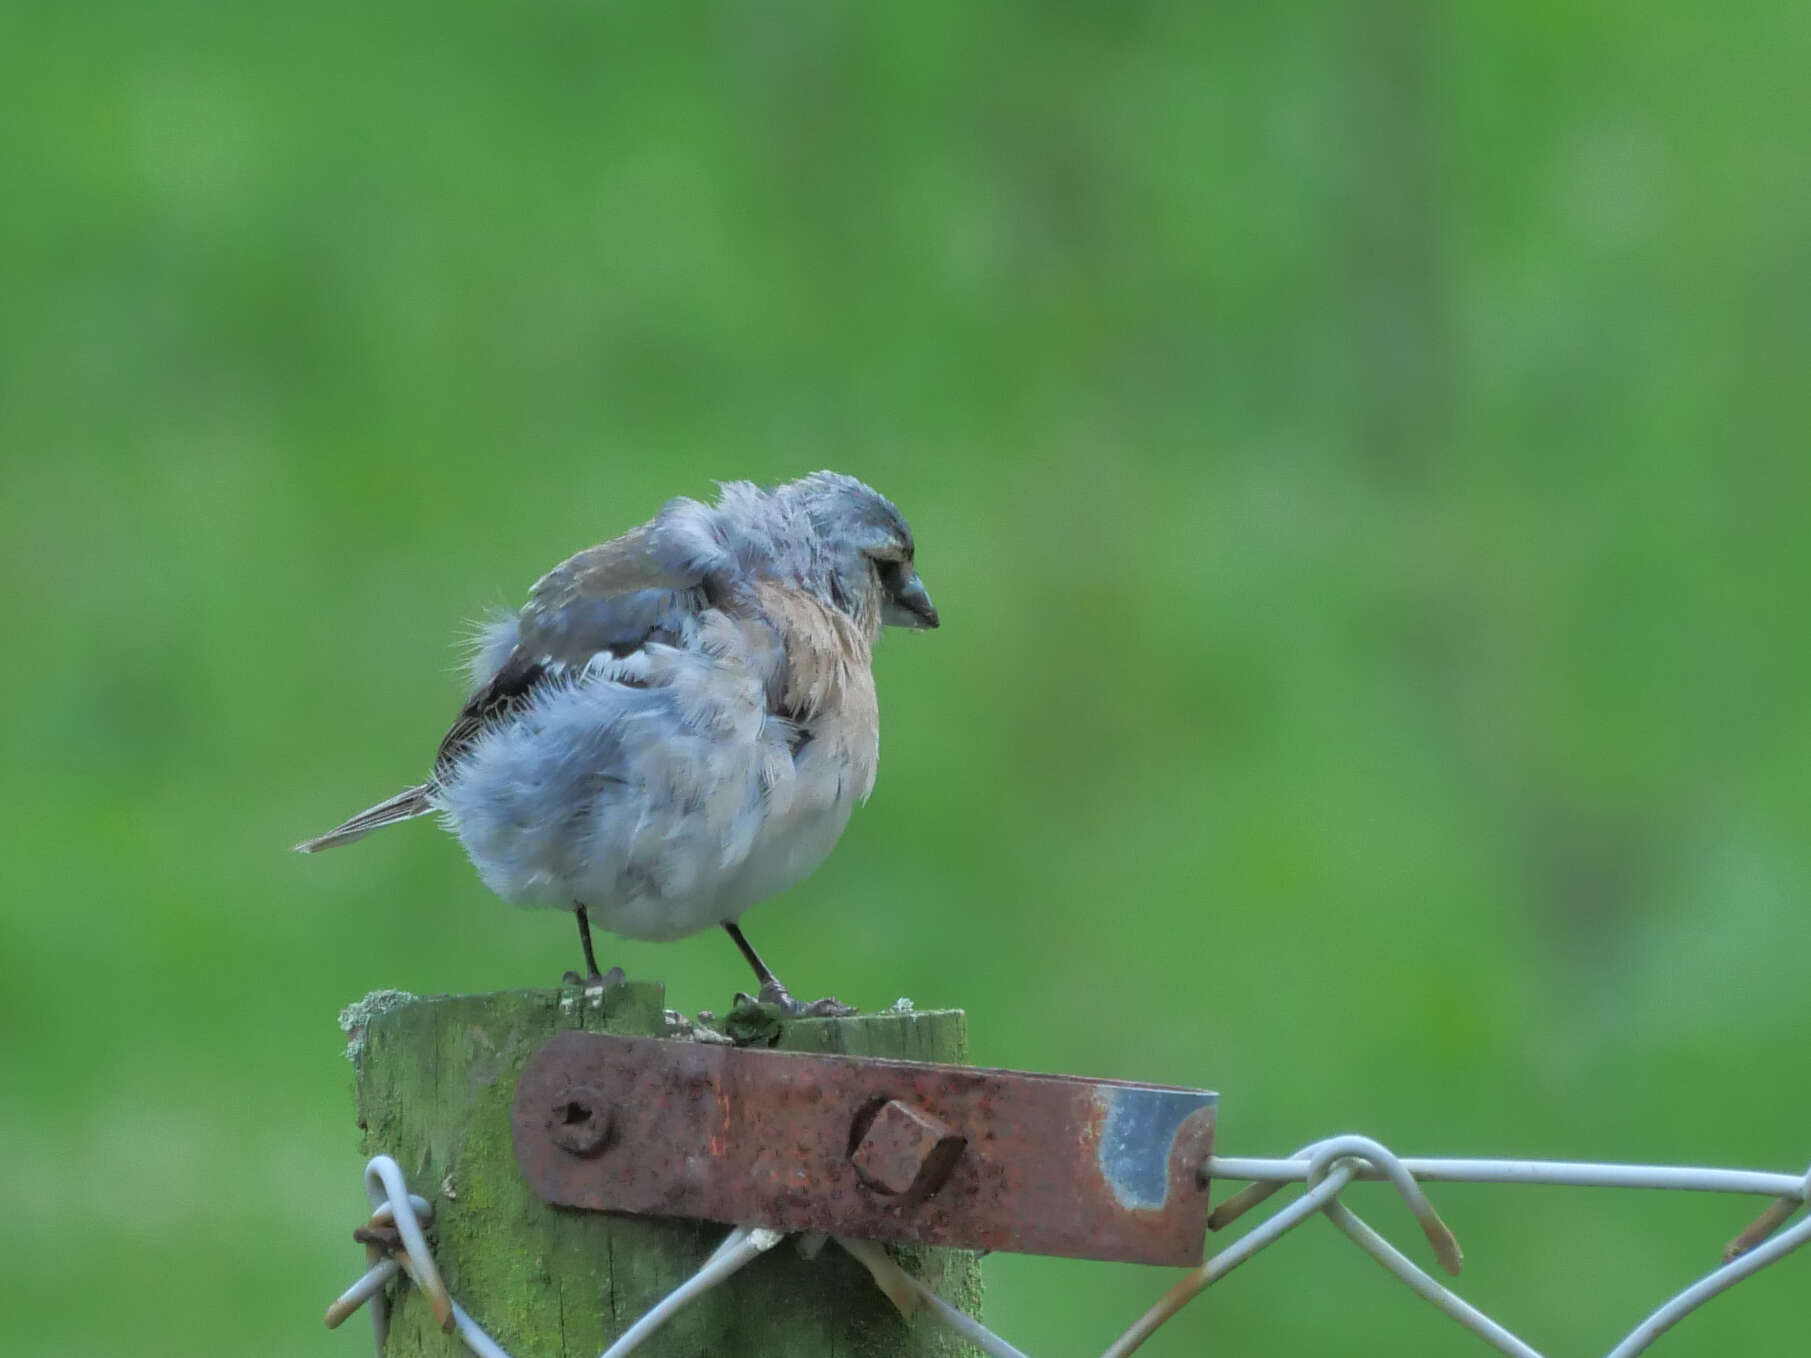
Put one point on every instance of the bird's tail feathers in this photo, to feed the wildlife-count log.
(405, 805)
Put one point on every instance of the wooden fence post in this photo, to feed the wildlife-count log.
(435, 1078)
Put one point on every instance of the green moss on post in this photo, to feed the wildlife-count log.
(435, 1081)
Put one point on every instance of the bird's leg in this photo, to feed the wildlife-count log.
(773, 992)
(591, 977)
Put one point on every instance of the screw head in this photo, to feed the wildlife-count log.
(906, 1153)
(579, 1120)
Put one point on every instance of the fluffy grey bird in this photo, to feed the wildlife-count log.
(678, 723)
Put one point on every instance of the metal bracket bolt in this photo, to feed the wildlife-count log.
(904, 1151)
(579, 1120)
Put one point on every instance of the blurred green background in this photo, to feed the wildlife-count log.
(1358, 453)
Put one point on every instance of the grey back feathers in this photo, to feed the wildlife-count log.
(679, 721)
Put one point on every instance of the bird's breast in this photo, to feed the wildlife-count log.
(826, 685)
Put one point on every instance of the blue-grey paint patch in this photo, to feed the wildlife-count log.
(1135, 1140)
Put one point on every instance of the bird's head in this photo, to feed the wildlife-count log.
(862, 558)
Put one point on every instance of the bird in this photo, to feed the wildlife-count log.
(678, 723)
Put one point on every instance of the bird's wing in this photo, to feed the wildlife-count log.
(613, 594)
(608, 600)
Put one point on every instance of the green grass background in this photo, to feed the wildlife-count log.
(1359, 454)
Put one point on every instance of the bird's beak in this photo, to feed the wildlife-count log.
(909, 605)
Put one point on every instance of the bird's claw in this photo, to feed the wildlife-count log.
(614, 976)
(828, 1007)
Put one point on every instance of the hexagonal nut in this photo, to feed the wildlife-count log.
(905, 1152)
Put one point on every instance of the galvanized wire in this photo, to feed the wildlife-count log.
(393, 1204)
(1325, 1168)
(741, 1246)
(1362, 1158)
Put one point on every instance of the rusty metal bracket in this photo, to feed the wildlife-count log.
(886, 1150)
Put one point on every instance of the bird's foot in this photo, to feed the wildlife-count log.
(829, 1007)
(614, 976)
(756, 1021)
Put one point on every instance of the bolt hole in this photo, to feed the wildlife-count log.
(572, 1114)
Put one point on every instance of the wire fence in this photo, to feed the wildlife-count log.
(395, 1242)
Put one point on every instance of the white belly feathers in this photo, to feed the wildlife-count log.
(659, 790)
